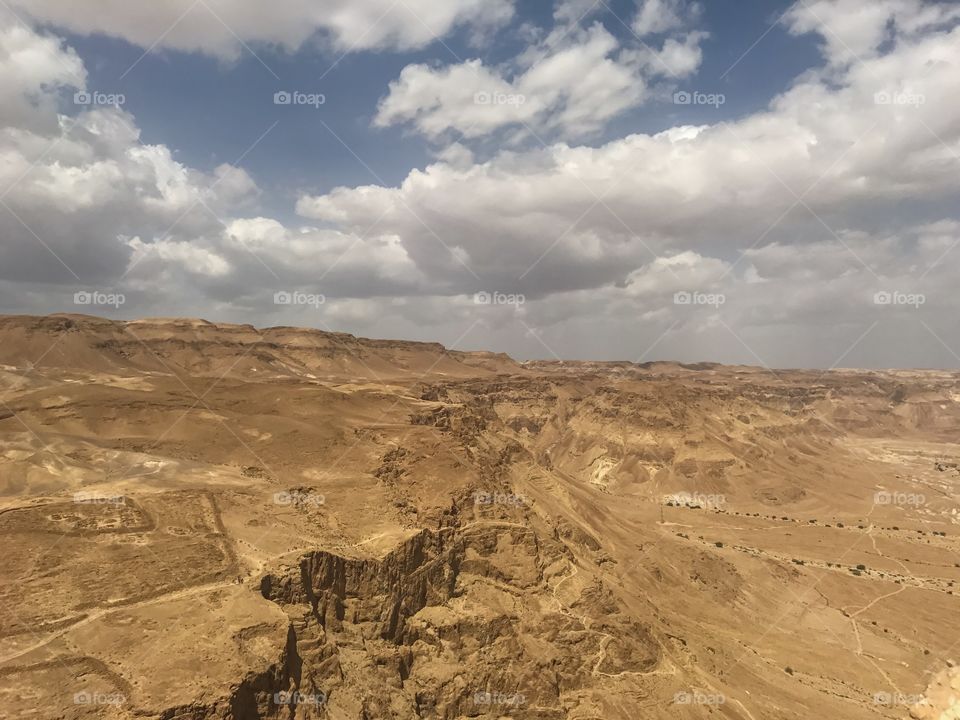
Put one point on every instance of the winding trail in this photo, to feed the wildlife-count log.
(156, 600)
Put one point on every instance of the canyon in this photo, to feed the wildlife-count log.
(207, 522)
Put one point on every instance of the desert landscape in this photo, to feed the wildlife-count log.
(208, 521)
(479, 360)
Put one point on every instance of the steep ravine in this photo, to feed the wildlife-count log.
(452, 623)
(340, 607)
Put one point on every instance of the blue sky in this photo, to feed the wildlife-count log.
(210, 110)
(756, 182)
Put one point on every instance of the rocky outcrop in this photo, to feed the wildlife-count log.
(376, 594)
(399, 636)
(256, 696)
(942, 698)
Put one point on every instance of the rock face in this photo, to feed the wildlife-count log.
(379, 595)
(218, 522)
(942, 698)
(199, 347)
(399, 609)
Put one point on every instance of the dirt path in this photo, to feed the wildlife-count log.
(171, 596)
(98, 614)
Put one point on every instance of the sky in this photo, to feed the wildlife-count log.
(761, 182)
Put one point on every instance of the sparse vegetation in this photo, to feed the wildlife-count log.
(584, 576)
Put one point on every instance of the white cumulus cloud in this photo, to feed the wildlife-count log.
(223, 27)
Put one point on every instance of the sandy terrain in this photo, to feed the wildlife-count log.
(209, 521)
